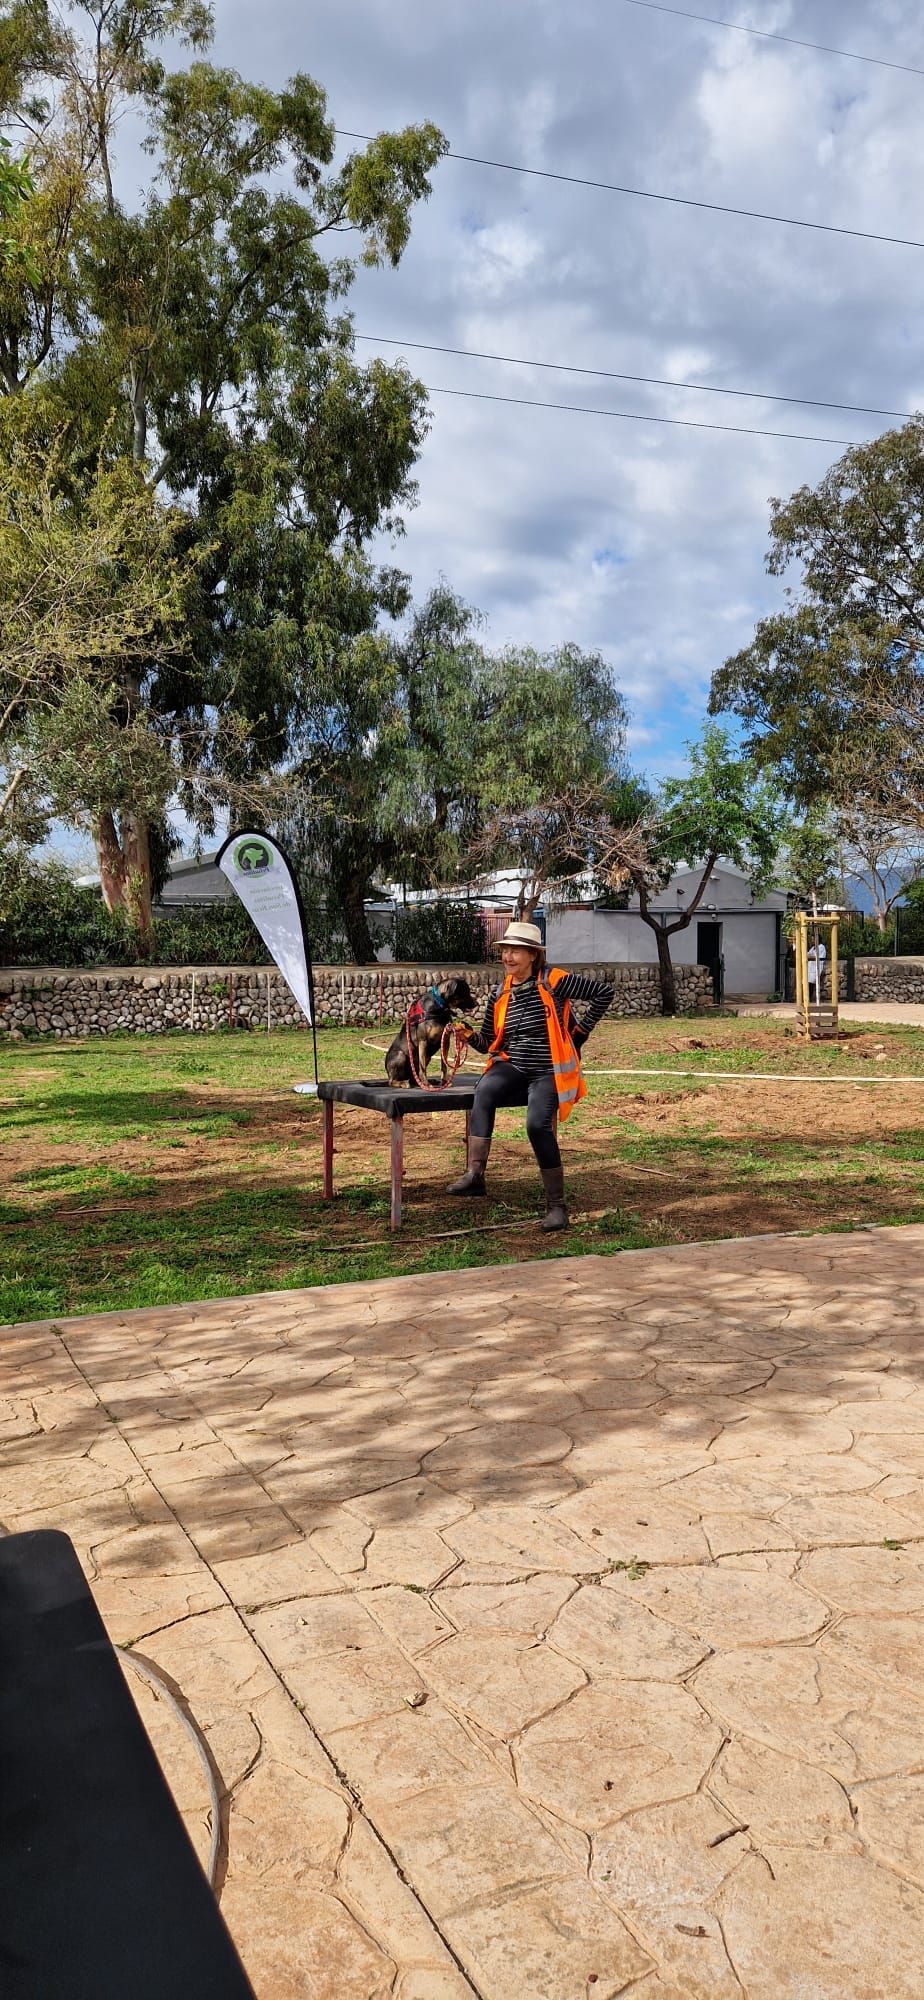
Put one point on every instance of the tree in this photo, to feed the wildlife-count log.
(203, 339)
(551, 739)
(884, 861)
(16, 185)
(831, 689)
(725, 809)
(88, 591)
(811, 862)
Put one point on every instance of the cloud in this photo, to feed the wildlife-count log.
(519, 506)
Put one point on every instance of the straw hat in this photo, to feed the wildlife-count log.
(527, 935)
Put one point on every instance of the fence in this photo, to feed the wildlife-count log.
(143, 1000)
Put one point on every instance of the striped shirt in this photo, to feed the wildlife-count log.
(526, 1037)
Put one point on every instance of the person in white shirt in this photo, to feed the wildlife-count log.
(816, 967)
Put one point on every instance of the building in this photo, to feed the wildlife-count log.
(737, 934)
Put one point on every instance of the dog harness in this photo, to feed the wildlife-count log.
(415, 1011)
(566, 1066)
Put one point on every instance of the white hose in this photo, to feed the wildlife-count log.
(752, 1076)
(160, 1686)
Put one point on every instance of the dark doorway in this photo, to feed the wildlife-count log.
(709, 952)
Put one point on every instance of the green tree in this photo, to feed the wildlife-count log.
(831, 688)
(16, 185)
(551, 739)
(724, 809)
(90, 592)
(203, 338)
(811, 864)
(384, 789)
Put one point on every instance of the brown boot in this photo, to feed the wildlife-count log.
(472, 1181)
(556, 1214)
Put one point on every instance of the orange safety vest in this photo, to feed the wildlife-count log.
(566, 1065)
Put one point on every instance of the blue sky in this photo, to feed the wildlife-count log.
(645, 541)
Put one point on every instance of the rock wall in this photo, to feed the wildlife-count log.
(889, 979)
(144, 1001)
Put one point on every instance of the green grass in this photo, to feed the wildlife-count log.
(151, 1172)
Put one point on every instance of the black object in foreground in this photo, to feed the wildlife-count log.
(102, 1894)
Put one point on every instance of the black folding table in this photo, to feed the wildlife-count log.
(395, 1103)
(100, 1887)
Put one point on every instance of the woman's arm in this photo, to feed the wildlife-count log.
(595, 996)
(485, 1035)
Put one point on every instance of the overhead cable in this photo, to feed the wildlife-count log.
(768, 35)
(633, 416)
(616, 375)
(676, 200)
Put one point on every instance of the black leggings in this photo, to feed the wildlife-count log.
(502, 1084)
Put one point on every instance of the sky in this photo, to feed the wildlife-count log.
(639, 539)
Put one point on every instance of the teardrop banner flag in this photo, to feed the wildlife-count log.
(262, 875)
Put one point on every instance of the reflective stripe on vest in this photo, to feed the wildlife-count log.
(566, 1066)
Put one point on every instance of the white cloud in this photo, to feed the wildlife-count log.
(518, 506)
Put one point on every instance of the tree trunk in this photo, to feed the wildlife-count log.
(125, 873)
(355, 922)
(665, 968)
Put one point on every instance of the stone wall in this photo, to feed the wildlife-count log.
(889, 979)
(147, 1001)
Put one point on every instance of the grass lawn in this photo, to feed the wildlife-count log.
(139, 1171)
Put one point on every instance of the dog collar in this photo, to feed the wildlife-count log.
(440, 998)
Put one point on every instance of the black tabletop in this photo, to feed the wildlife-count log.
(396, 1100)
(100, 1887)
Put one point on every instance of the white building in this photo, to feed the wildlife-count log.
(730, 929)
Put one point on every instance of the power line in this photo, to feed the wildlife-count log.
(615, 375)
(766, 35)
(633, 416)
(676, 200)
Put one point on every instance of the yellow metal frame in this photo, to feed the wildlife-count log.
(816, 1019)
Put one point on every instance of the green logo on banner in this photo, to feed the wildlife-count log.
(253, 857)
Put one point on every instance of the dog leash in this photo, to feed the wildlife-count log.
(460, 1054)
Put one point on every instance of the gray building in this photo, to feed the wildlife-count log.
(190, 881)
(730, 927)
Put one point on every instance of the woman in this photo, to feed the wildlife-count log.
(532, 1049)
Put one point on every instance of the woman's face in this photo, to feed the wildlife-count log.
(517, 959)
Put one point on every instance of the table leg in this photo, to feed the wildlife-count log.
(468, 1131)
(397, 1169)
(327, 1149)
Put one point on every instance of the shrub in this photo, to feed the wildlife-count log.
(441, 930)
(862, 938)
(213, 934)
(46, 920)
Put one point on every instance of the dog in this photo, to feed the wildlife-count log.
(430, 1017)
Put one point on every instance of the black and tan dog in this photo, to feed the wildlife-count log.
(429, 1019)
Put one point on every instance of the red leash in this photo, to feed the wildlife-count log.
(460, 1054)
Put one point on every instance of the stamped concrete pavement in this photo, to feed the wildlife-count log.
(555, 1631)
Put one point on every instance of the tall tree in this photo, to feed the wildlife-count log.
(386, 788)
(881, 859)
(811, 864)
(203, 338)
(831, 689)
(552, 735)
(91, 591)
(724, 809)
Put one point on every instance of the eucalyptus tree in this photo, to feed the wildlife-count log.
(200, 336)
(831, 687)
